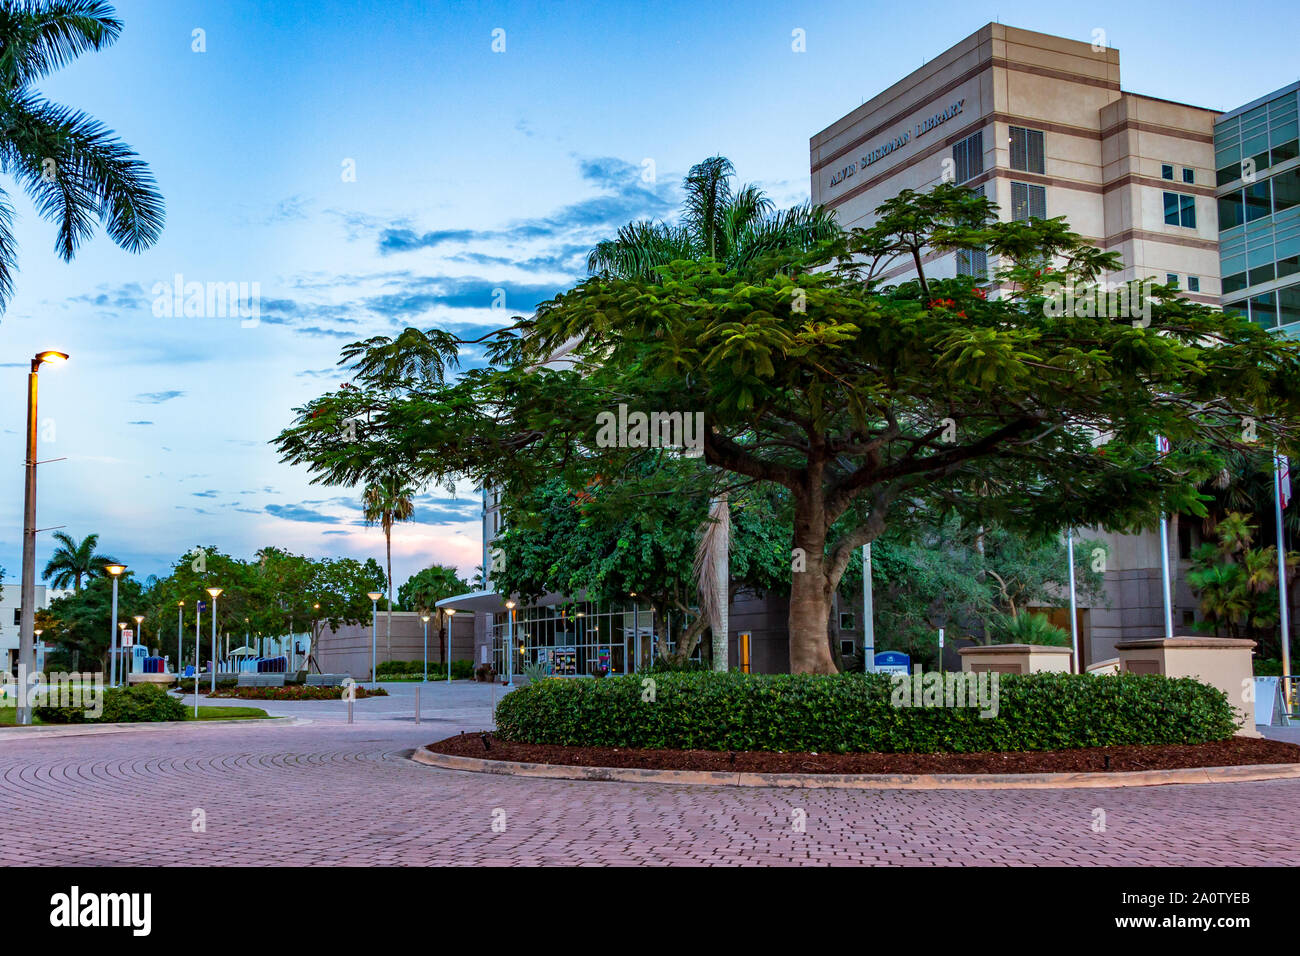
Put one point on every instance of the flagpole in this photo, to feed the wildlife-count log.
(1074, 604)
(1281, 495)
(1162, 448)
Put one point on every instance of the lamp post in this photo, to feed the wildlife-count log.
(139, 636)
(27, 619)
(451, 613)
(121, 667)
(198, 620)
(311, 639)
(425, 619)
(115, 572)
(215, 592)
(510, 644)
(374, 622)
(180, 622)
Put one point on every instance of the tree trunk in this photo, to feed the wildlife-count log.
(810, 593)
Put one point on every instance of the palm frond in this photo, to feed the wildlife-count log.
(708, 192)
(37, 38)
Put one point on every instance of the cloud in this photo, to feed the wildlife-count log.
(210, 493)
(299, 513)
(139, 423)
(157, 398)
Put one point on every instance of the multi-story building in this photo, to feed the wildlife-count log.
(11, 616)
(1042, 126)
(1257, 172)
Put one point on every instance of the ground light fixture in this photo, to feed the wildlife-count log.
(374, 645)
(214, 593)
(115, 571)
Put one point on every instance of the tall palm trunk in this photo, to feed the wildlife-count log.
(713, 576)
(388, 637)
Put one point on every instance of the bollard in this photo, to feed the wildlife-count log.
(349, 710)
(417, 705)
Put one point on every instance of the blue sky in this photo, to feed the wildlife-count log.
(475, 171)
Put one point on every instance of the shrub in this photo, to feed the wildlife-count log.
(297, 693)
(1027, 628)
(137, 703)
(853, 713)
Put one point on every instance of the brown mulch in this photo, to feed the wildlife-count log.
(1236, 751)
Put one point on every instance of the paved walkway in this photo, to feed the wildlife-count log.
(329, 793)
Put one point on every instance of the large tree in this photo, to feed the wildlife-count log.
(861, 402)
(73, 167)
(423, 590)
(385, 502)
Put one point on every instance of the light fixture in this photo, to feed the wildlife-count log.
(49, 357)
(374, 595)
(215, 592)
(116, 569)
(424, 618)
(510, 604)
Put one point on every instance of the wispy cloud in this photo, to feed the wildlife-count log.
(157, 398)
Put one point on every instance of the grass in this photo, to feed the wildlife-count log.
(225, 713)
(9, 717)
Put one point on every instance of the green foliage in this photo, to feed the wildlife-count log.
(854, 713)
(1027, 628)
(74, 561)
(424, 589)
(131, 704)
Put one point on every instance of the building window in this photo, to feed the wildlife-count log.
(846, 621)
(848, 648)
(1286, 190)
(1234, 283)
(1189, 176)
(1258, 202)
(1231, 211)
(973, 262)
(1166, 171)
(1263, 310)
(1288, 305)
(1171, 278)
(1028, 202)
(1180, 210)
(1193, 284)
(1027, 150)
(18, 616)
(968, 157)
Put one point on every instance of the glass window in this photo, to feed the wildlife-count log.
(973, 262)
(1257, 202)
(1027, 150)
(1171, 209)
(968, 157)
(1193, 284)
(1234, 283)
(1171, 278)
(1286, 190)
(1232, 211)
(1288, 305)
(1189, 176)
(1237, 308)
(1180, 210)
(1263, 310)
(1166, 171)
(1261, 274)
(1028, 202)
(1286, 151)
(846, 621)
(1288, 266)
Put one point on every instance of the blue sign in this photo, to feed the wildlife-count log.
(893, 662)
(203, 606)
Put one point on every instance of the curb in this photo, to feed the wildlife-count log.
(850, 781)
(91, 730)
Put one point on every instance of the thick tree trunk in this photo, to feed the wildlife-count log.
(388, 637)
(810, 593)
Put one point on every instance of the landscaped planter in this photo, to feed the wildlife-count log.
(1015, 658)
(1222, 662)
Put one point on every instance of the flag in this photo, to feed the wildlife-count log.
(1283, 466)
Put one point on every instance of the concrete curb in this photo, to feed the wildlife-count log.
(849, 781)
(92, 730)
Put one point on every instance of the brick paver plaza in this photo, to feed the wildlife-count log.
(326, 792)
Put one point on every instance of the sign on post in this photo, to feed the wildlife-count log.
(893, 662)
(128, 637)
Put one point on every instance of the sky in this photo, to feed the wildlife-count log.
(375, 165)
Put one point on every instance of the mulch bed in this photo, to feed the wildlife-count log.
(1236, 751)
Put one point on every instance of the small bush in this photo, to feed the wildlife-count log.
(137, 703)
(854, 713)
(1027, 628)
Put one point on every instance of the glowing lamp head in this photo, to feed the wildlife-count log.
(50, 357)
(510, 604)
(215, 592)
(451, 612)
(424, 618)
(139, 618)
(115, 569)
(374, 595)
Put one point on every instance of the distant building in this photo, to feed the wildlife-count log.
(11, 617)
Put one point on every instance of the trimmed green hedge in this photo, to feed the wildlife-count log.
(136, 703)
(854, 713)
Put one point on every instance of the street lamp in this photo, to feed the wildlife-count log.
(139, 634)
(425, 619)
(115, 572)
(451, 613)
(510, 644)
(180, 614)
(27, 620)
(121, 647)
(215, 592)
(374, 623)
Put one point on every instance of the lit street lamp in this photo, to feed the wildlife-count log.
(215, 592)
(139, 635)
(374, 623)
(451, 613)
(180, 614)
(121, 650)
(27, 619)
(115, 572)
(510, 644)
(425, 619)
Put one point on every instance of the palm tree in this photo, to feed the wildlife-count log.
(734, 227)
(75, 560)
(385, 503)
(72, 166)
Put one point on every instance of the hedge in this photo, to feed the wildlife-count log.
(853, 713)
(460, 670)
(297, 692)
(132, 704)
